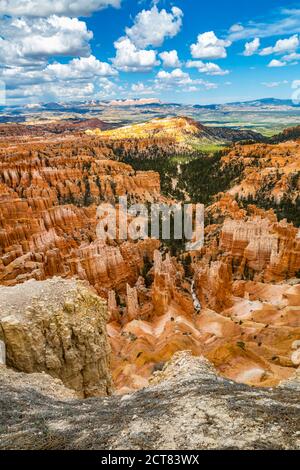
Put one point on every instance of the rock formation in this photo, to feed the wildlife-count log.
(188, 406)
(235, 301)
(48, 200)
(58, 327)
(268, 176)
(262, 248)
(172, 134)
(42, 383)
(213, 283)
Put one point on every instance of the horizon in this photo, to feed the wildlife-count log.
(155, 101)
(175, 51)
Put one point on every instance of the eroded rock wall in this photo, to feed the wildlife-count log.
(57, 327)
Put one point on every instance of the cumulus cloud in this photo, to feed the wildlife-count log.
(55, 89)
(151, 27)
(282, 45)
(251, 47)
(141, 89)
(295, 84)
(178, 78)
(83, 67)
(130, 59)
(277, 63)
(294, 56)
(16, 76)
(208, 46)
(26, 40)
(44, 8)
(177, 75)
(33, 33)
(170, 59)
(207, 67)
(62, 91)
(107, 87)
(60, 81)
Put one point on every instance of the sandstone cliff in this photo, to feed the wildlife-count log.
(262, 248)
(57, 327)
(236, 303)
(48, 199)
(269, 177)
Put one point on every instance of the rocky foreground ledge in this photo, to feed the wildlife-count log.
(187, 406)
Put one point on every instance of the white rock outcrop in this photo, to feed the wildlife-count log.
(58, 327)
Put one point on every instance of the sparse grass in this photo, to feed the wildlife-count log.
(208, 147)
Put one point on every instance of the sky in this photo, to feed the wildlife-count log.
(183, 51)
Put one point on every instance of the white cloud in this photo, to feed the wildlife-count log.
(84, 67)
(151, 27)
(190, 89)
(277, 63)
(62, 90)
(275, 84)
(27, 44)
(175, 75)
(251, 47)
(207, 67)
(178, 78)
(74, 80)
(25, 76)
(141, 89)
(294, 56)
(236, 28)
(287, 21)
(130, 59)
(282, 45)
(208, 46)
(26, 41)
(107, 87)
(170, 59)
(295, 84)
(45, 8)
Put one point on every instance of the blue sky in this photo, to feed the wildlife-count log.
(181, 50)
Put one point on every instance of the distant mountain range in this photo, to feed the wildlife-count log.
(264, 103)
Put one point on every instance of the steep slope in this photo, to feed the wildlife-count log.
(183, 131)
(188, 407)
(269, 177)
(49, 195)
(291, 133)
